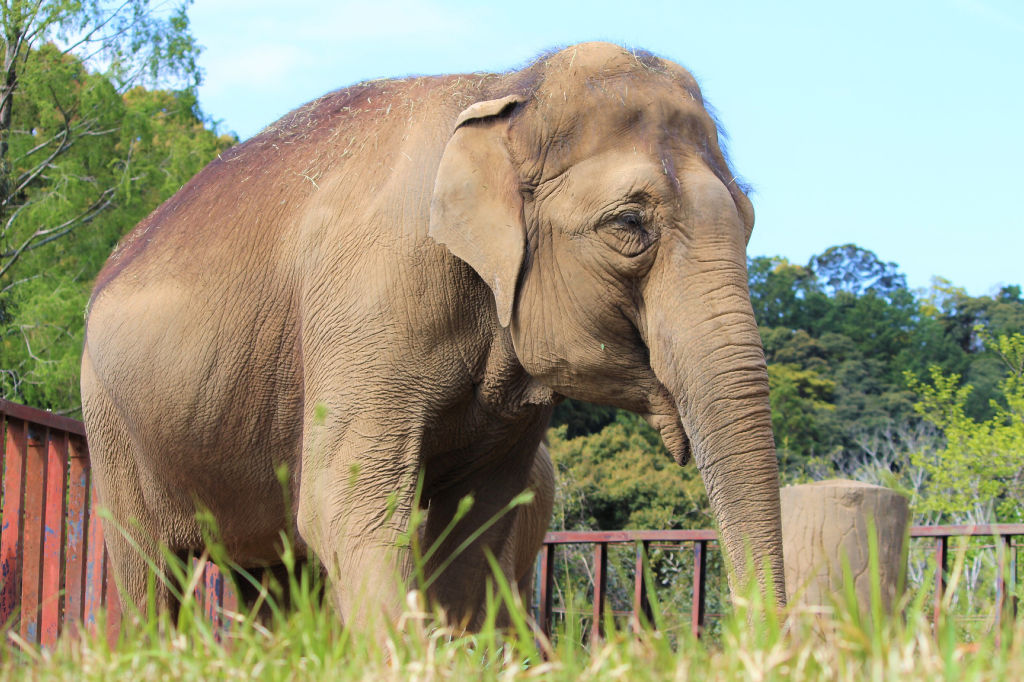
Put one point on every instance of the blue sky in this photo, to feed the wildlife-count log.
(894, 125)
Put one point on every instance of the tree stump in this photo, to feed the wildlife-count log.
(827, 521)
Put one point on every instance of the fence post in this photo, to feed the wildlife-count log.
(77, 523)
(10, 536)
(699, 575)
(1002, 597)
(53, 535)
(547, 567)
(941, 545)
(214, 595)
(600, 576)
(32, 534)
(641, 604)
(93, 597)
(1012, 588)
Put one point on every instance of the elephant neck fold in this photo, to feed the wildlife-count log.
(504, 388)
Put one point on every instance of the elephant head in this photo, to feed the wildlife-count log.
(596, 202)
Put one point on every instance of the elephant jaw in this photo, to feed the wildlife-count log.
(672, 434)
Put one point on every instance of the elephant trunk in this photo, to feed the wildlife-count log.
(713, 366)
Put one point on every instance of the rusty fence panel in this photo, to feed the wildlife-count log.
(54, 571)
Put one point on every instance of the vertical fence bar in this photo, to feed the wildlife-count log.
(699, 570)
(111, 601)
(32, 538)
(10, 535)
(547, 583)
(1012, 587)
(94, 568)
(77, 525)
(1002, 545)
(641, 604)
(600, 579)
(941, 545)
(53, 540)
(214, 597)
(229, 606)
(198, 564)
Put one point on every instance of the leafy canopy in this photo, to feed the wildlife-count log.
(982, 463)
(86, 151)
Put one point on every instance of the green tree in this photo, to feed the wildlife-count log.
(851, 269)
(582, 418)
(622, 477)
(41, 339)
(87, 152)
(50, 104)
(981, 466)
(801, 411)
(783, 294)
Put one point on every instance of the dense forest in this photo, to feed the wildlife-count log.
(918, 390)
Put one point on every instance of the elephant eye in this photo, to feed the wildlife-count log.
(628, 233)
(631, 220)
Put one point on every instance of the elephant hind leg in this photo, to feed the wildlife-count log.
(532, 521)
(513, 539)
(133, 549)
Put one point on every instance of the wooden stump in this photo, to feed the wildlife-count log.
(825, 522)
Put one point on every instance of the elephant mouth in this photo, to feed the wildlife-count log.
(672, 434)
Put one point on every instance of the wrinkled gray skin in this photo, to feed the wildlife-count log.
(405, 276)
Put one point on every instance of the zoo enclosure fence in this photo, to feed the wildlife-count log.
(55, 577)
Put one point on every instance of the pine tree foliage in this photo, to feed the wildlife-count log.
(87, 149)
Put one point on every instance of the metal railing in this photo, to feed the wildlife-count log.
(642, 540)
(701, 541)
(54, 573)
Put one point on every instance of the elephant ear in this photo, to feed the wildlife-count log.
(476, 210)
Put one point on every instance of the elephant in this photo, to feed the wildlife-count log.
(387, 291)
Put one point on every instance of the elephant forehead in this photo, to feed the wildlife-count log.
(595, 61)
(618, 114)
(601, 182)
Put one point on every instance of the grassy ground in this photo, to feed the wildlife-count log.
(307, 643)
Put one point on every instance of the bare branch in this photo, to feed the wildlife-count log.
(14, 215)
(88, 36)
(15, 283)
(43, 236)
(27, 178)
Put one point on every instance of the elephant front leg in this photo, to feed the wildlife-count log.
(354, 509)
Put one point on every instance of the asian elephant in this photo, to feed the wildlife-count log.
(396, 283)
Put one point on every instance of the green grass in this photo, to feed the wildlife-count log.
(307, 642)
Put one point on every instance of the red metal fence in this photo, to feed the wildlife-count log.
(53, 566)
(700, 541)
(54, 573)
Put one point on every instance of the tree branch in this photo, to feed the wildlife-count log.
(16, 282)
(26, 178)
(42, 236)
